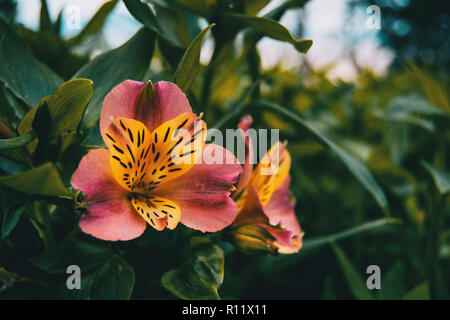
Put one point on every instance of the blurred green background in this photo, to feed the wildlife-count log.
(365, 113)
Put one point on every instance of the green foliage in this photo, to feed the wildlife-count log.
(200, 275)
(190, 63)
(95, 24)
(22, 72)
(273, 30)
(129, 61)
(352, 276)
(44, 180)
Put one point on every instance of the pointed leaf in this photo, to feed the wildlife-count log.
(353, 278)
(65, 108)
(11, 218)
(441, 178)
(272, 29)
(129, 61)
(190, 63)
(16, 142)
(420, 292)
(200, 276)
(26, 77)
(95, 24)
(44, 180)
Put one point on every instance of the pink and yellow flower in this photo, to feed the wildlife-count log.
(264, 199)
(154, 170)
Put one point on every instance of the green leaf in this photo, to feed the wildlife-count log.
(353, 278)
(44, 19)
(204, 8)
(252, 7)
(130, 61)
(64, 110)
(83, 254)
(441, 178)
(200, 276)
(420, 292)
(95, 24)
(313, 243)
(16, 142)
(142, 12)
(354, 165)
(26, 77)
(44, 180)
(115, 280)
(190, 63)
(272, 29)
(93, 139)
(11, 218)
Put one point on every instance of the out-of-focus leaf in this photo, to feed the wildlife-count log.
(11, 218)
(200, 276)
(130, 61)
(420, 292)
(356, 167)
(85, 255)
(190, 63)
(204, 8)
(313, 243)
(43, 180)
(52, 50)
(95, 24)
(142, 12)
(393, 282)
(435, 94)
(412, 103)
(441, 178)
(180, 26)
(272, 29)
(353, 278)
(44, 19)
(113, 281)
(64, 110)
(252, 7)
(16, 142)
(26, 77)
(93, 139)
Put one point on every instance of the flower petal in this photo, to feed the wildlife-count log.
(247, 166)
(280, 208)
(203, 193)
(109, 214)
(120, 103)
(151, 104)
(271, 171)
(158, 212)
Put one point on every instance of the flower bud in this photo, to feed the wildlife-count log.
(253, 239)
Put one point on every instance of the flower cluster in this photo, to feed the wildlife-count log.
(155, 171)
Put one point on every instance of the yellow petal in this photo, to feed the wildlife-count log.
(271, 172)
(158, 212)
(129, 143)
(176, 146)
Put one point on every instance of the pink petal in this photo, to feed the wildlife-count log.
(203, 193)
(165, 103)
(119, 103)
(110, 215)
(247, 167)
(280, 208)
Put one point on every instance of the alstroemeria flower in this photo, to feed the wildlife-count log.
(154, 170)
(264, 199)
